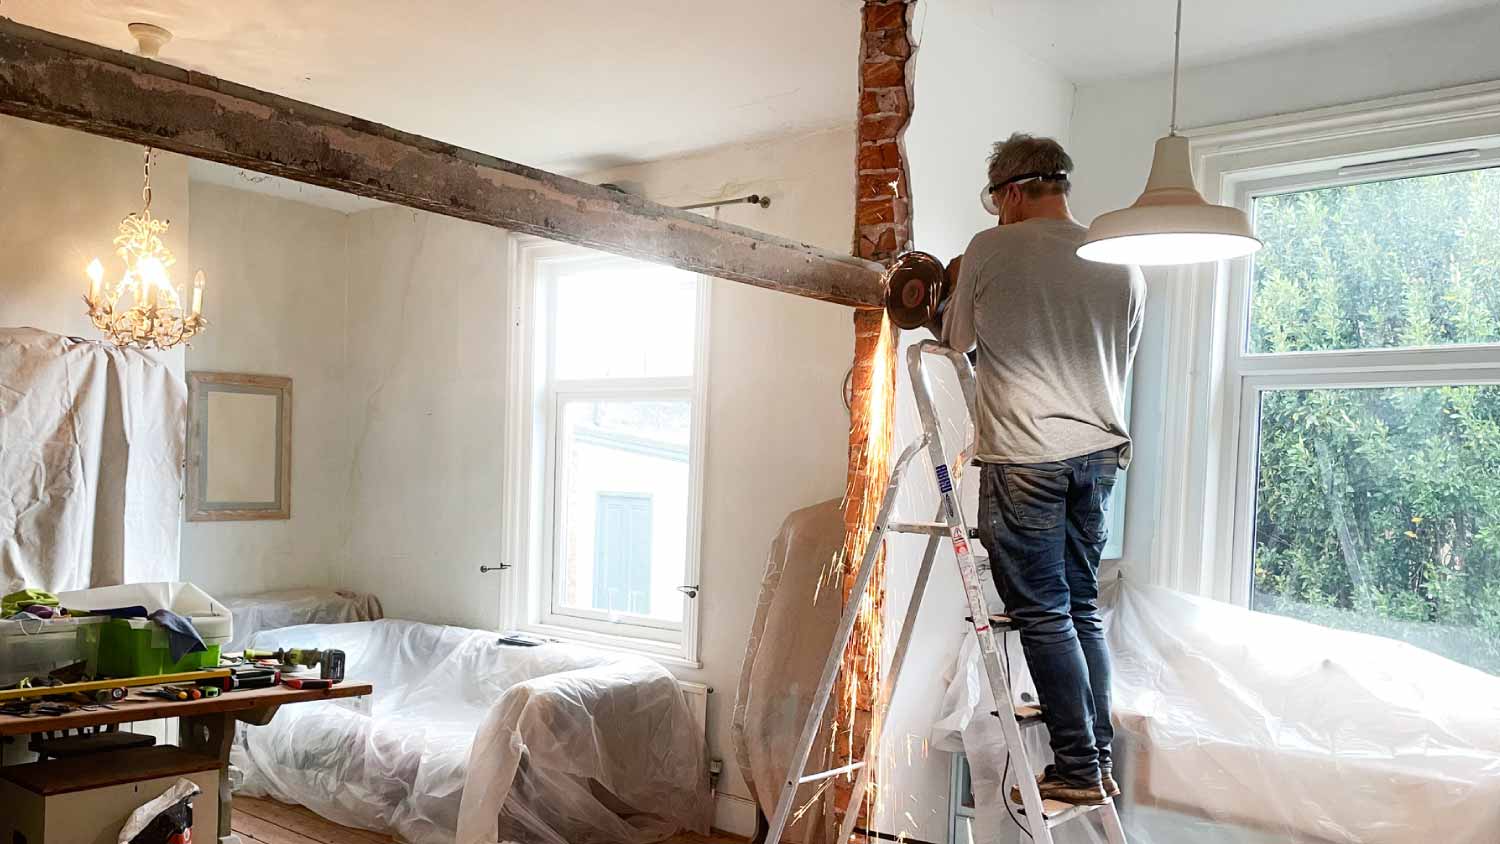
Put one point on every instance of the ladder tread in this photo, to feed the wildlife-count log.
(1001, 622)
(1028, 714)
(1057, 812)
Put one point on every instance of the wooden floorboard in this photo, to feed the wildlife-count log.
(270, 822)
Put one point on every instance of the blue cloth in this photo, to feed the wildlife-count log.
(182, 636)
(1044, 525)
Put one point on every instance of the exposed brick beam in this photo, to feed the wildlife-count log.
(66, 82)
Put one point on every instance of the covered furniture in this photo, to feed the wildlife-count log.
(1279, 729)
(467, 737)
(291, 607)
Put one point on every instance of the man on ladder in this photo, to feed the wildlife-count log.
(1056, 336)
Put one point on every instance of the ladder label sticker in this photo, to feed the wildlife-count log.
(945, 485)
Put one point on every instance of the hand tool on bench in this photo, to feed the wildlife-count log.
(329, 662)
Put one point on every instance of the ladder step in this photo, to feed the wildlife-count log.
(997, 622)
(823, 775)
(1028, 716)
(1058, 813)
(928, 528)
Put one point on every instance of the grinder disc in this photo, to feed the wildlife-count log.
(914, 286)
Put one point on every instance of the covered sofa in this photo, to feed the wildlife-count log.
(466, 739)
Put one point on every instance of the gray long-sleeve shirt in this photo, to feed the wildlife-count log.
(1056, 337)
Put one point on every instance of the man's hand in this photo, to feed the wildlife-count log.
(935, 325)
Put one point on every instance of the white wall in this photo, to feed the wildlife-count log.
(424, 413)
(1115, 124)
(777, 428)
(971, 90)
(275, 299)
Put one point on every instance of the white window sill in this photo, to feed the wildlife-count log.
(666, 653)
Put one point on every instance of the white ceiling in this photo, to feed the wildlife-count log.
(1091, 40)
(579, 85)
(569, 85)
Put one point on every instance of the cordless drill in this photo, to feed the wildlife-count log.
(329, 662)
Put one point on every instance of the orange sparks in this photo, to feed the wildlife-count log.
(872, 426)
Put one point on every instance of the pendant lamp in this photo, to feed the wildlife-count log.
(1171, 222)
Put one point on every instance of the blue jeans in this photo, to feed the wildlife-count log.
(1044, 527)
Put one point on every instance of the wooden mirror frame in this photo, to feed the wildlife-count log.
(200, 384)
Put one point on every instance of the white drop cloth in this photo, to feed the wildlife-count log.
(91, 449)
(270, 610)
(555, 744)
(789, 643)
(1248, 721)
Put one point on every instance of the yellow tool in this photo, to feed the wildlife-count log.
(95, 685)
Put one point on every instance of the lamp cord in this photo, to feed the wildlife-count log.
(1176, 63)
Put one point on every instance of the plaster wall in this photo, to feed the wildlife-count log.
(777, 427)
(277, 273)
(424, 412)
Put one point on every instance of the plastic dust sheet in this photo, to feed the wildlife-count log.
(270, 610)
(1239, 726)
(554, 744)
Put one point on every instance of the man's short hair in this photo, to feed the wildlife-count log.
(1021, 154)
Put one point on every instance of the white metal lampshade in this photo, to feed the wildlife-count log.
(1171, 223)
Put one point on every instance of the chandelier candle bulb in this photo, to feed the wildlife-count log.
(198, 294)
(96, 279)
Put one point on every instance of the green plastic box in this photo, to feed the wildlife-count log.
(139, 648)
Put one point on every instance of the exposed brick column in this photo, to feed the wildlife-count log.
(883, 210)
(882, 230)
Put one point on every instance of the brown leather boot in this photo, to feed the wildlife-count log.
(1054, 788)
(1111, 787)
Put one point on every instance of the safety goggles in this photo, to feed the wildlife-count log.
(987, 193)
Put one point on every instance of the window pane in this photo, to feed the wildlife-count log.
(630, 320)
(1400, 263)
(623, 498)
(1378, 510)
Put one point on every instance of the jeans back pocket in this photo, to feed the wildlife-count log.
(1036, 497)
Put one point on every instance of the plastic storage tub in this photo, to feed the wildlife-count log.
(35, 648)
(138, 647)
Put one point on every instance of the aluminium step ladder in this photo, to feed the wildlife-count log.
(1038, 817)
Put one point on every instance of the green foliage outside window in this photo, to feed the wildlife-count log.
(1378, 509)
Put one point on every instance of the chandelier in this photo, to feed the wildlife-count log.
(155, 318)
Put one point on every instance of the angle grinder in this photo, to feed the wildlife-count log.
(917, 287)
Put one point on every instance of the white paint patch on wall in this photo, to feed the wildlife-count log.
(970, 92)
(777, 428)
(277, 279)
(424, 414)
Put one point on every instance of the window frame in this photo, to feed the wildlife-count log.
(531, 525)
(1259, 372)
(1211, 385)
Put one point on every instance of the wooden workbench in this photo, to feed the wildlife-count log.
(207, 725)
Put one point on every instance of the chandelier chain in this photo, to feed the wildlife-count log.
(146, 187)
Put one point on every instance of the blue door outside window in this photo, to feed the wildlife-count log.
(622, 553)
